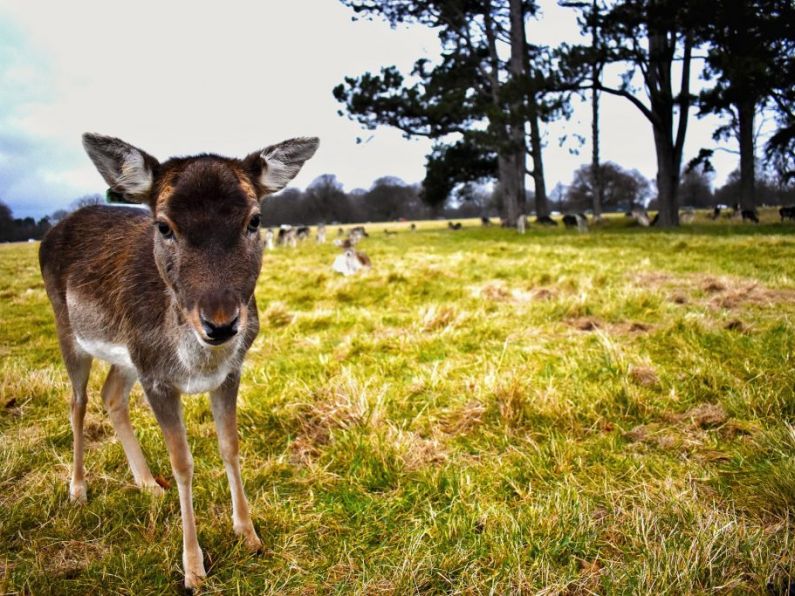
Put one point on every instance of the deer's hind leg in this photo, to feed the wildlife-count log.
(115, 395)
(78, 365)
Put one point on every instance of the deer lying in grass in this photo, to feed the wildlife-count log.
(166, 296)
(351, 260)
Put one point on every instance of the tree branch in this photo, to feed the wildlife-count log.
(684, 99)
(634, 100)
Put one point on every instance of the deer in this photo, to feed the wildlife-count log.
(165, 295)
(351, 260)
(521, 223)
(269, 239)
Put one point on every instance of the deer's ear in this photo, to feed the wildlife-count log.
(127, 170)
(272, 168)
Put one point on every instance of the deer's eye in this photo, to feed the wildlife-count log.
(253, 224)
(165, 230)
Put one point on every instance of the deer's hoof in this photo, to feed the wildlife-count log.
(152, 488)
(78, 493)
(249, 536)
(253, 543)
(194, 574)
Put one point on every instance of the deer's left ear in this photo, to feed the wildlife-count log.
(272, 168)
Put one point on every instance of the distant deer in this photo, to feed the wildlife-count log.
(269, 239)
(351, 260)
(166, 296)
(640, 215)
(687, 215)
(582, 222)
(287, 236)
(357, 234)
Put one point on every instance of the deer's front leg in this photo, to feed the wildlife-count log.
(167, 407)
(224, 405)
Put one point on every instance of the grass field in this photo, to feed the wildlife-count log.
(483, 412)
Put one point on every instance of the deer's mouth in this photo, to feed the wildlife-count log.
(216, 342)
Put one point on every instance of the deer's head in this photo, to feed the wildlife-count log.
(205, 221)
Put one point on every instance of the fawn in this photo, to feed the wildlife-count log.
(166, 296)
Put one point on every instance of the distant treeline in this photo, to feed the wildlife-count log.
(20, 229)
(391, 199)
(624, 189)
(388, 199)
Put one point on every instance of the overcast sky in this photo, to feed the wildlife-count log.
(176, 78)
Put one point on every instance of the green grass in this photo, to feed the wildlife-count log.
(483, 412)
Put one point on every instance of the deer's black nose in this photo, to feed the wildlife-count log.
(219, 333)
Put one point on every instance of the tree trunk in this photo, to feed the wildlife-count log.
(745, 109)
(662, 45)
(667, 180)
(502, 129)
(536, 149)
(507, 183)
(517, 116)
(596, 170)
(598, 190)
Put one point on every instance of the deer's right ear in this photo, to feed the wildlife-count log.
(272, 168)
(125, 168)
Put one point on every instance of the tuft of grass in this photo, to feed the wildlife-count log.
(610, 412)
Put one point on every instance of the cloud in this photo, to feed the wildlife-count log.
(179, 78)
(30, 164)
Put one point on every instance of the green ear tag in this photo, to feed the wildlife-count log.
(114, 197)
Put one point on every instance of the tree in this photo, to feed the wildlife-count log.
(472, 100)
(544, 103)
(285, 207)
(87, 201)
(747, 42)
(695, 189)
(58, 215)
(780, 148)
(7, 232)
(452, 164)
(622, 189)
(325, 201)
(590, 24)
(649, 37)
(389, 199)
